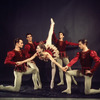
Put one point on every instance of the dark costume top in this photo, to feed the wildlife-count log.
(30, 49)
(86, 60)
(14, 56)
(61, 46)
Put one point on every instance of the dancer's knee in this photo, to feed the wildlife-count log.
(37, 70)
(16, 89)
(67, 73)
(87, 91)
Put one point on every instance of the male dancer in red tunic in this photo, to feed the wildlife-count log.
(63, 58)
(12, 57)
(30, 49)
(86, 57)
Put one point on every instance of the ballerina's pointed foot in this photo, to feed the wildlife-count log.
(52, 21)
(52, 85)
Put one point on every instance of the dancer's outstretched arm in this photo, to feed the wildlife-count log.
(24, 61)
(54, 61)
(49, 38)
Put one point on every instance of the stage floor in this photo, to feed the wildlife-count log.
(27, 91)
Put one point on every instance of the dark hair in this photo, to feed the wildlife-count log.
(42, 46)
(17, 40)
(62, 33)
(84, 41)
(28, 34)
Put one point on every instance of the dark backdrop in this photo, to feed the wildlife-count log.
(76, 18)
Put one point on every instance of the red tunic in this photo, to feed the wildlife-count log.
(14, 56)
(61, 45)
(30, 49)
(86, 60)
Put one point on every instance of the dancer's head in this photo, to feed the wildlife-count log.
(61, 35)
(18, 42)
(82, 43)
(41, 47)
(29, 37)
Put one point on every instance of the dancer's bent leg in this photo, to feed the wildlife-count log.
(88, 89)
(34, 67)
(34, 76)
(17, 83)
(68, 75)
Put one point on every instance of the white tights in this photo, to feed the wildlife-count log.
(49, 42)
(18, 80)
(34, 67)
(53, 71)
(87, 82)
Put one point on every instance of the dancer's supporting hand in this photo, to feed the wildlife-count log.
(65, 68)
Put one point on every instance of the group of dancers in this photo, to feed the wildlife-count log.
(23, 60)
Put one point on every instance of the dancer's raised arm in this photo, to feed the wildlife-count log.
(54, 61)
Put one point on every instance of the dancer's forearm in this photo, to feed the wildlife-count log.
(54, 61)
(29, 59)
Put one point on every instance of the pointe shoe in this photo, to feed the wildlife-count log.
(52, 21)
(35, 87)
(61, 83)
(52, 85)
(66, 91)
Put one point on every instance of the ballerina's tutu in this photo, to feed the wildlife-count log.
(52, 50)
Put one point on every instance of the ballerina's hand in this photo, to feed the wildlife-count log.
(65, 68)
(19, 63)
